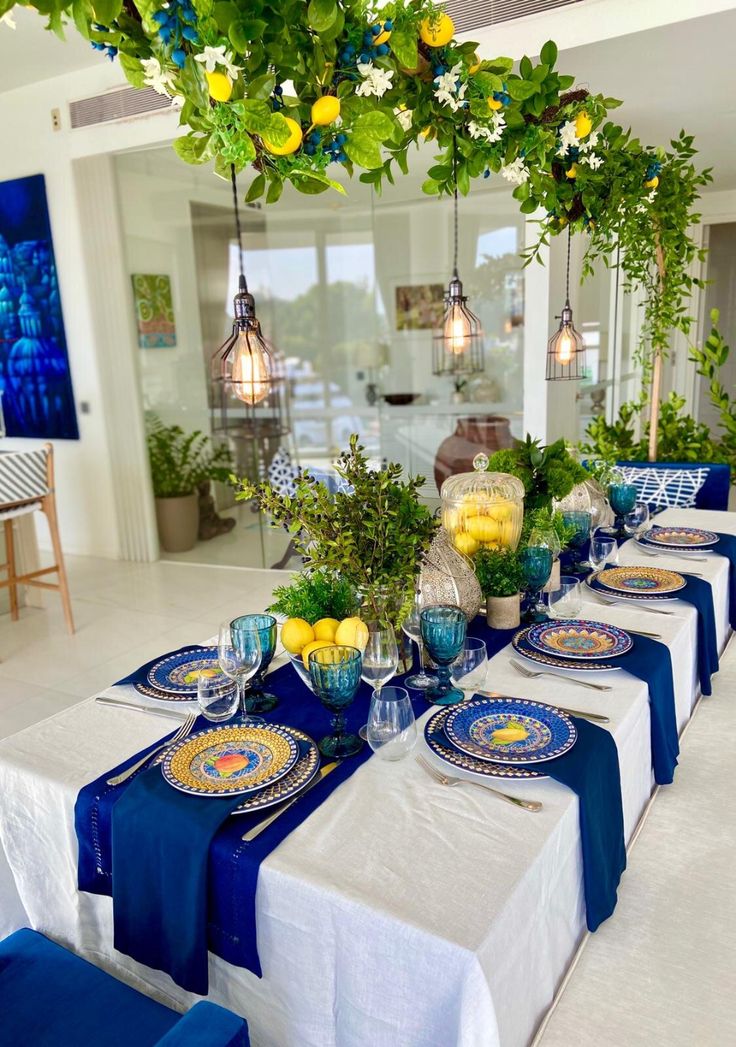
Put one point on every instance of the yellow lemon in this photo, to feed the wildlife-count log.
(437, 33)
(502, 511)
(583, 125)
(465, 543)
(296, 634)
(220, 86)
(572, 171)
(325, 110)
(493, 103)
(652, 183)
(325, 629)
(475, 504)
(509, 735)
(484, 528)
(353, 632)
(313, 646)
(383, 36)
(291, 144)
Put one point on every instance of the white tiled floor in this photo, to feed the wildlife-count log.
(125, 614)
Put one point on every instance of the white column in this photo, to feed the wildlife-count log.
(536, 335)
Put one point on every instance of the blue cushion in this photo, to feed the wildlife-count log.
(51, 998)
(714, 492)
(666, 488)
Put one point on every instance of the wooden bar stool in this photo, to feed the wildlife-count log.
(26, 486)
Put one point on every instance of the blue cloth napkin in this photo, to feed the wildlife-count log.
(140, 675)
(699, 593)
(727, 547)
(181, 854)
(591, 770)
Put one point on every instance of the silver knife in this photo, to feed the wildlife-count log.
(594, 717)
(256, 830)
(118, 703)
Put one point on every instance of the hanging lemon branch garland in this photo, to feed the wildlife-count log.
(292, 89)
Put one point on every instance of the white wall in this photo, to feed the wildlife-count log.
(85, 487)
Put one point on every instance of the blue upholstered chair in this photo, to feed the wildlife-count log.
(715, 490)
(51, 998)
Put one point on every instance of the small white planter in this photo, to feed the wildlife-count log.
(503, 612)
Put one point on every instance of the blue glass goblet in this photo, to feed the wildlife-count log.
(581, 521)
(623, 499)
(257, 700)
(335, 673)
(536, 563)
(443, 631)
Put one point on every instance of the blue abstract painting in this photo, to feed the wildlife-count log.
(36, 383)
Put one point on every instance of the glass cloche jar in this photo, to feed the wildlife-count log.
(482, 510)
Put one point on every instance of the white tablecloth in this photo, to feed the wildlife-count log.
(400, 914)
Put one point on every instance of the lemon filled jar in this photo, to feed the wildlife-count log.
(482, 510)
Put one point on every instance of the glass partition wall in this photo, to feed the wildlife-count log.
(349, 288)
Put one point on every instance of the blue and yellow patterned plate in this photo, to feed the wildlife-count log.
(510, 730)
(230, 760)
(437, 741)
(579, 639)
(632, 597)
(640, 581)
(298, 778)
(179, 673)
(521, 645)
(680, 538)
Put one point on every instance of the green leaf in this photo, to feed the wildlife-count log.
(261, 86)
(257, 116)
(275, 190)
(548, 54)
(463, 180)
(376, 125)
(499, 65)
(224, 14)
(333, 31)
(520, 90)
(194, 84)
(321, 14)
(256, 188)
(403, 43)
(430, 187)
(363, 149)
(488, 82)
(525, 68)
(191, 148)
(243, 31)
(133, 70)
(312, 182)
(82, 15)
(513, 117)
(106, 11)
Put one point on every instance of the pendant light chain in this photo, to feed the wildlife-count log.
(238, 230)
(567, 274)
(454, 179)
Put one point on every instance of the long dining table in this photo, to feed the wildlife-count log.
(400, 913)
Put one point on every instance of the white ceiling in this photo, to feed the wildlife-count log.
(674, 76)
(30, 53)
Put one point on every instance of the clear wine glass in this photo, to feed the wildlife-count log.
(391, 729)
(239, 656)
(469, 669)
(411, 625)
(637, 521)
(380, 659)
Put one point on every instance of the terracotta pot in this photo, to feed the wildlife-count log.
(503, 612)
(554, 579)
(485, 432)
(178, 522)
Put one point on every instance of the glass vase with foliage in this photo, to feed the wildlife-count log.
(373, 535)
(181, 461)
(546, 472)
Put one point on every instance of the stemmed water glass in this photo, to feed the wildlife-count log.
(380, 659)
(580, 520)
(335, 673)
(411, 626)
(637, 520)
(469, 669)
(391, 728)
(536, 563)
(622, 497)
(259, 700)
(443, 631)
(239, 657)
(603, 550)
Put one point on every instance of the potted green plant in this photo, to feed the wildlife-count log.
(501, 581)
(373, 535)
(180, 462)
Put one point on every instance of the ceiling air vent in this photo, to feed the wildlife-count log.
(116, 105)
(474, 14)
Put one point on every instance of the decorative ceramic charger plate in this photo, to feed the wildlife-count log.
(438, 743)
(230, 760)
(678, 538)
(579, 639)
(650, 581)
(298, 778)
(177, 674)
(521, 645)
(510, 730)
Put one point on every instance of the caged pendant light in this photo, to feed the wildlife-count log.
(248, 377)
(457, 347)
(566, 348)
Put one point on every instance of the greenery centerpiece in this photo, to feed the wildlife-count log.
(547, 473)
(314, 596)
(373, 536)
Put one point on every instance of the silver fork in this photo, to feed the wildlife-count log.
(532, 675)
(594, 717)
(680, 556)
(443, 779)
(639, 606)
(184, 730)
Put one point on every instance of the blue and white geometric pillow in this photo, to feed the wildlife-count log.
(282, 473)
(666, 488)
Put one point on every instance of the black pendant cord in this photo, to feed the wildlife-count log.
(567, 274)
(454, 178)
(243, 282)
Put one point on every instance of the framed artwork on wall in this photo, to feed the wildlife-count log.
(154, 311)
(35, 378)
(419, 307)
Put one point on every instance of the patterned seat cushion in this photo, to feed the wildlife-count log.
(666, 488)
(23, 475)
